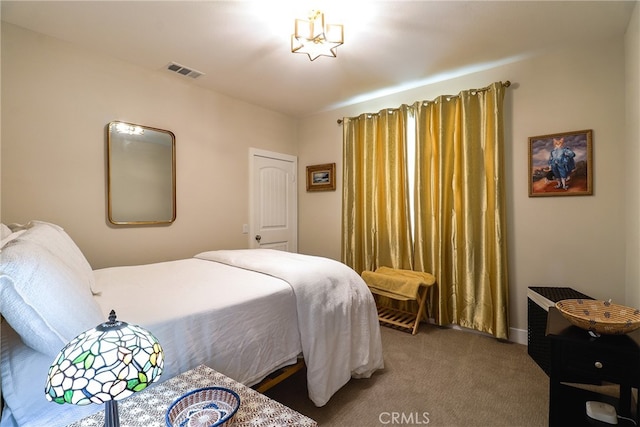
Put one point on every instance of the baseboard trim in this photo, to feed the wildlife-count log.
(518, 336)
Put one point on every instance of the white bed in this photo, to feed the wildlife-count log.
(244, 313)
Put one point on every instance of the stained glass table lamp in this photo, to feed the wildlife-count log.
(103, 365)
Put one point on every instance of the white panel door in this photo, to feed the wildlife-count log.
(273, 204)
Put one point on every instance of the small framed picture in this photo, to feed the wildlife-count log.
(561, 164)
(321, 177)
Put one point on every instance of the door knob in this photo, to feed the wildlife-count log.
(258, 238)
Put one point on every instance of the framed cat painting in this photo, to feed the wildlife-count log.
(561, 164)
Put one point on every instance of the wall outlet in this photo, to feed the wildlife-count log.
(245, 228)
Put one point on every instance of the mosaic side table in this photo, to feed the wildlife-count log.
(148, 408)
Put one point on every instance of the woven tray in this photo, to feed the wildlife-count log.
(603, 317)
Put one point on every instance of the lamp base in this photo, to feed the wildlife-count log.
(111, 418)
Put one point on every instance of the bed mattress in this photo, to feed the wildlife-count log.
(247, 320)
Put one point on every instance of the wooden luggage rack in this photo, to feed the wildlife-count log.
(394, 317)
(404, 319)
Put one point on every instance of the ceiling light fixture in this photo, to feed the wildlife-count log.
(315, 38)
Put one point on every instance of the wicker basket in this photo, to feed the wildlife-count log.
(602, 317)
(204, 407)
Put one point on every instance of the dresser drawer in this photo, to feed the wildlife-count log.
(599, 363)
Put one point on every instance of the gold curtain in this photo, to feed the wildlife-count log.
(459, 211)
(375, 221)
(460, 208)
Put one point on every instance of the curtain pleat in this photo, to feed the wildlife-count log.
(459, 202)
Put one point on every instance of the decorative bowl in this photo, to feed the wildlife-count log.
(204, 407)
(603, 317)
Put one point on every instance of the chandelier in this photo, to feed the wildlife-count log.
(315, 38)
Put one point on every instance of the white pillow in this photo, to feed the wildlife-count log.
(57, 241)
(10, 237)
(44, 300)
(5, 231)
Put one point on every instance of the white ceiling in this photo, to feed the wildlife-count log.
(243, 47)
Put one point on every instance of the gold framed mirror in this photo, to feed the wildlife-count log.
(141, 169)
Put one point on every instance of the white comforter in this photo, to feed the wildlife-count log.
(337, 318)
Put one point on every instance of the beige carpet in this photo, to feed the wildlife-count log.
(439, 377)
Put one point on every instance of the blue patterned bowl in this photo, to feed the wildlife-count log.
(204, 407)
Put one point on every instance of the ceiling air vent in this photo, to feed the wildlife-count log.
(181, 69)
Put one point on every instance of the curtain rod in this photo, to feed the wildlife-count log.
(504, 84)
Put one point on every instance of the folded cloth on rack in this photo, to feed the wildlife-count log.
(397, 283)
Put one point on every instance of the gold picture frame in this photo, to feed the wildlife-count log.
(321, 177)
(561, 164)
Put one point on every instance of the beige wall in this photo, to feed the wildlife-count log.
(553, 241)
(56, 102)
(632, 157)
